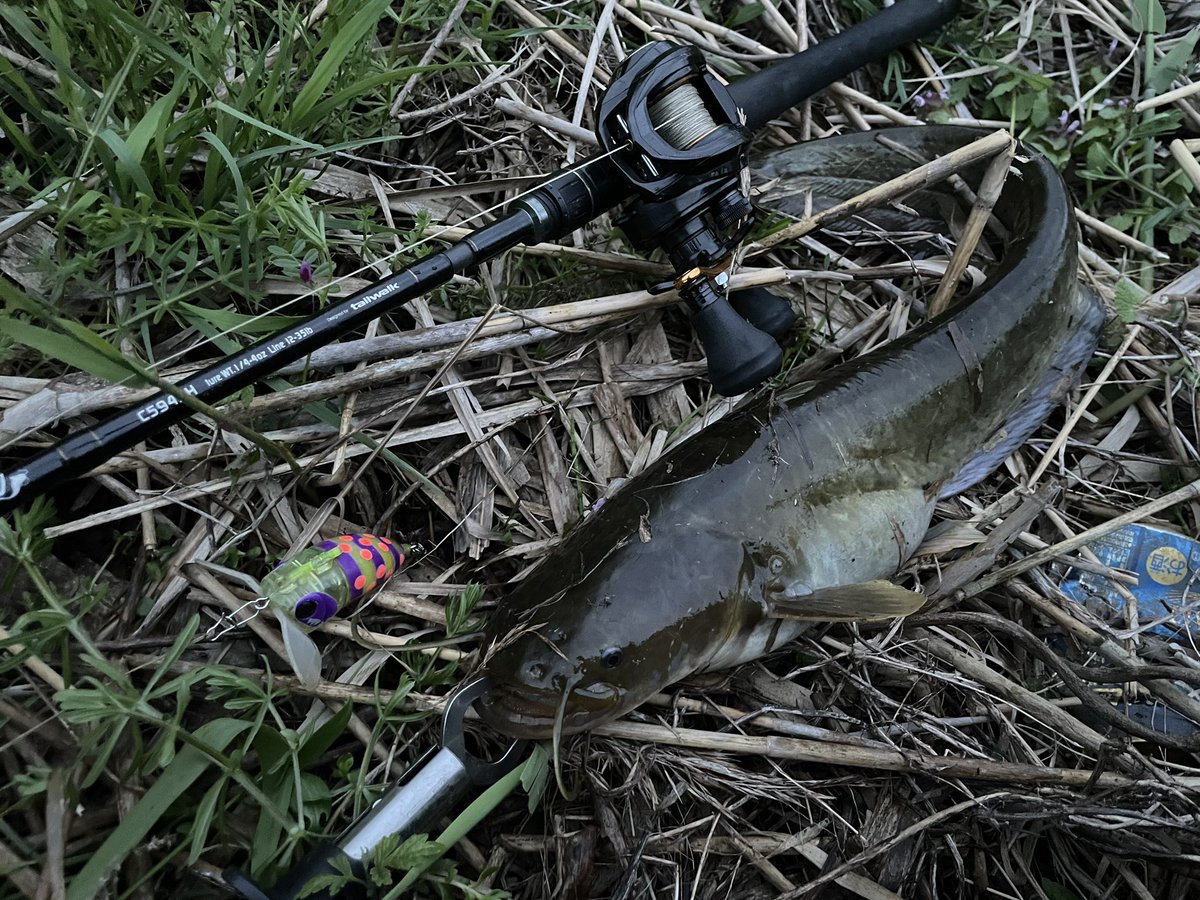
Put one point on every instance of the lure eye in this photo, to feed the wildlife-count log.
(611, 657)
(314, 608)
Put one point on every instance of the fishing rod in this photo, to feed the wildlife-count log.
(674, 142)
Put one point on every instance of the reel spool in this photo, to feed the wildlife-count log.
(676, 134)
(665, 118)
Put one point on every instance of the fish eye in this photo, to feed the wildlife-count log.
(537, 671)
(775, 565)
(611, 657)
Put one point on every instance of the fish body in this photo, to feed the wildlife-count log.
(799, 505)
(320, 581)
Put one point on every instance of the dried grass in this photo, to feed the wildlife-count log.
(949, 756)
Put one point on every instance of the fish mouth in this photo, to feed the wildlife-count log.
(528, 713)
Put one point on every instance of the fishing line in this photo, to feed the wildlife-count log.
(381, 445)
(664, 120)
(156, 368)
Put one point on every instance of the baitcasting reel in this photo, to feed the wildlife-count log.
(675, 133)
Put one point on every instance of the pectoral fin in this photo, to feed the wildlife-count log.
(302, 653)
(845, 603)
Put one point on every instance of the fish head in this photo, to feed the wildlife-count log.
(644, 616)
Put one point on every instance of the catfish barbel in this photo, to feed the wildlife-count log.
(799, 506)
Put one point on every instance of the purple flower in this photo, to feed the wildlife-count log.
(931, 98)
(306, 271)
(1065, 126)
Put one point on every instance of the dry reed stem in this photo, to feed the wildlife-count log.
(1103, 228)
(864, 757)
(1081, 407)
(1184, 156)
(33, 663)
(1171, 96)
(19, 873)
(981, 210)
(929, 173)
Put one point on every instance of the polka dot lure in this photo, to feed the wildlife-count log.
(321, 581)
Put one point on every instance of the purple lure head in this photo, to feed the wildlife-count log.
(314, 608)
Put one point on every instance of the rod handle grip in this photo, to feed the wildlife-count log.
(770, 92)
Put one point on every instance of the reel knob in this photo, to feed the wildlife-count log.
(740, 356)
(764, 310)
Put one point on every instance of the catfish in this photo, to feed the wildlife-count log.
(801, 505)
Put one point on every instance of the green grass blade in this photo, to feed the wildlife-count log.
(468, 819)
(66, 348)
(342, 42)
(181, 774)
(293, 141)
(128, 164)
(154, 123)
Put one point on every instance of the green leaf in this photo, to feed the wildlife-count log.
(294, 141)
(280, 786)
(1121, 221)
(1148, 16)
(418, 850)
(1175, 63)
(315, 744)
(230, 322)
(203, 821)
(153, 123)
(332, 882)
(536, 774)
(189, 765)
(69, 349)
(1127, 297)
(744, 14)
(272, 748)
(127, 165)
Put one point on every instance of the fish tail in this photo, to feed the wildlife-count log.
(1046, 395)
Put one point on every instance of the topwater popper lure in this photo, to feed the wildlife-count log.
(321, 581)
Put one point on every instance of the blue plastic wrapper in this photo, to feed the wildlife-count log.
(1167, 566)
